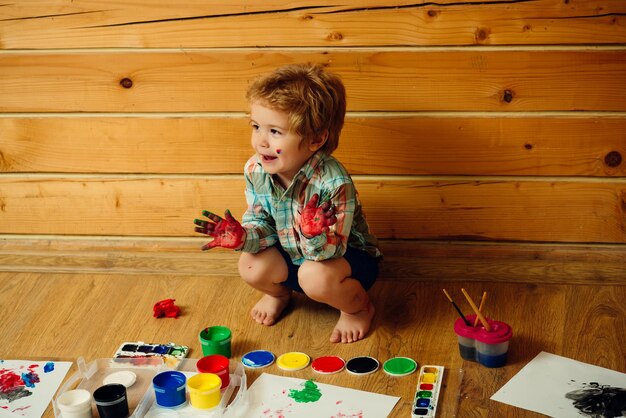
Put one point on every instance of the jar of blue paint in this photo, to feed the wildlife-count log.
(170, 389)
(489, 348)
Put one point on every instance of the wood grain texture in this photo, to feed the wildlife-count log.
(413, 319)
(402, 145)
(443, 209)
(383, 80)
(150, 24)
(404, 260)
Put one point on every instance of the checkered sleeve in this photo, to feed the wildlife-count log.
(257, 220)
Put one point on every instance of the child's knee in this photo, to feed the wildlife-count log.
(316, 281)
(259, 269)
(250, 268)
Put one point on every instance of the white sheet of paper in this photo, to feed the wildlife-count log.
(38, 395)
(542, 384)
(268, 397)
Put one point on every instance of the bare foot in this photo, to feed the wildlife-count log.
(353, 327)
(268, 308)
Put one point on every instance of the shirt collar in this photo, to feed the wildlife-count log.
(307, 170)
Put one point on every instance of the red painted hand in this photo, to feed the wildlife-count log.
(315, 220)
(227, 232)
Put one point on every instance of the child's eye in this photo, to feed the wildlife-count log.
(275, 132)
(254, 126)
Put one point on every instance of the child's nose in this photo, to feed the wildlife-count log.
(263, 139)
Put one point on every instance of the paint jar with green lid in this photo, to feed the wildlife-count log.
(215, 340)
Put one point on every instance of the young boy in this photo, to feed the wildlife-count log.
(304, 229)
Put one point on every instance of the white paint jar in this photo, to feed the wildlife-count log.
(75, 404)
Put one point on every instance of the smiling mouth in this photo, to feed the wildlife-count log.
(268, 158)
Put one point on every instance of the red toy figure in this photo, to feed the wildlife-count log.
(166, 308)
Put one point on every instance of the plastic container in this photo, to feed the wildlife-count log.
(489, 348)
(90, 376)
(111, 401)
(141, 395)
(216, 364)
(170, 388)
(75, 404)
(204, 390)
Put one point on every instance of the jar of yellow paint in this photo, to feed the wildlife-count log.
(204, 390)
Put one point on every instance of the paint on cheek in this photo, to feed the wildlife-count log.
(278, 151)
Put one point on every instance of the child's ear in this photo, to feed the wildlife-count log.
(318, 141)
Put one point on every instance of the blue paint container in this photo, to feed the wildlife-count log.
(170, 389)
(258, 359)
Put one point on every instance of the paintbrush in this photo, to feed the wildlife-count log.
(480, 307)
(476, 311)
(457, 309)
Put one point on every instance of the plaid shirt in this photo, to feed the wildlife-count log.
(273, 213)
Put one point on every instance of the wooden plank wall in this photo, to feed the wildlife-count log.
(478, 133)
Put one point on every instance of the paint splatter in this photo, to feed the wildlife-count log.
(23, 408)
(30, 379)
(278, 413)
(351, 415)
(13, 386)
(599, 401)
(310, 393)
(48, 367)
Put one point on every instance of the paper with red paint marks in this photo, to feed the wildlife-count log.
(272, 396)
(27, 387)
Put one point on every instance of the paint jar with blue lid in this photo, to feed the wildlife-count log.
(170, 389)
(489, 348)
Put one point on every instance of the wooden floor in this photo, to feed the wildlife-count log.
(64, 316)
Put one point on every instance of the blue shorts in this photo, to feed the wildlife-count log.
(364, 268)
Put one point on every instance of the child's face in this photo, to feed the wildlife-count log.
(279, 149)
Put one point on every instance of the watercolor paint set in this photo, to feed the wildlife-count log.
(170, 353)
(427, 391)
(141, 349)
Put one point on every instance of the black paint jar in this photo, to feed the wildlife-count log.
(111, 401)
